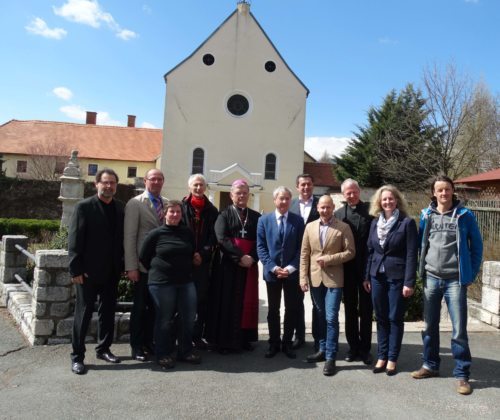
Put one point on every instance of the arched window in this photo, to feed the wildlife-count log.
(198, 161)
(270, 170)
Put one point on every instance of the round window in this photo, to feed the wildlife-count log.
(270, 66)
(238, 105)
(208, 59)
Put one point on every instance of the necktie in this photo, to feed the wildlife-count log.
(281, 229)
(159, 208)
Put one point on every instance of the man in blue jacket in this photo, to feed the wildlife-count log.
(450, 258)
(279, 236)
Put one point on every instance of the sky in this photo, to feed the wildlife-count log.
(61, 58)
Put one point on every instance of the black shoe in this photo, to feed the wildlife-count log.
(247, 346)
(200, 344)
(166, 363)
(329, 368)
(366, 358)
(139, 355)
(78, 368)
(298, 343)
(289, 352)
(273, 351)
(351, 356)
(107, 356)
(192, 358)
(379, 369)
(316, 357)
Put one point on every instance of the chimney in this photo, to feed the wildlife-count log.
(243, 7)
(130, 120)
(91, 117)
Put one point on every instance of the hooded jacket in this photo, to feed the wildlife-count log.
(469, 241)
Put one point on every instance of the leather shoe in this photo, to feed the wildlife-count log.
(78, 368)
(192, 358)
(379, 369)
(351, 356)
(288, 352)
(316, 357)
(367, 358)
(107, 356)
(298, 343)
(391, 372)
(139, 355)
(273, 351)
(329, 368)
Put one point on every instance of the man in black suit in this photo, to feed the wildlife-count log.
(357, 301)
(95, 245)
(305, 205)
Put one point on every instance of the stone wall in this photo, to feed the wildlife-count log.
(46, 315)
(489, 311)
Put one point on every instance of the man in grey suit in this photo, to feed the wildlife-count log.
(142, 214)
(305, 205)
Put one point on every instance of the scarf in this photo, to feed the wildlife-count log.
(384, 226)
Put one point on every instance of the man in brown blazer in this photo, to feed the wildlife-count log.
(143, 213)
(327, 244)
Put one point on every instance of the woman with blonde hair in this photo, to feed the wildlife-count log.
(390, 271)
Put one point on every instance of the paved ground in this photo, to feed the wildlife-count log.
(36, 382)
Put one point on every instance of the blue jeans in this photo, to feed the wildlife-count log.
(167, 300)
(389, 306)
(327, 303)
(455, 296)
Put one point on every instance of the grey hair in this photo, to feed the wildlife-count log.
(197, 176)
(281, 189)
(347, 182)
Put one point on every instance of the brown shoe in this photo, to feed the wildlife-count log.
(463, 387)
(424, 373)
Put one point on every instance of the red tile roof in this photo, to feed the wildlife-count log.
(91, 141)
(493, 175)
(322, 174)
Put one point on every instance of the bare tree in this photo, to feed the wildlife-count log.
(457, 108)
(47, 160)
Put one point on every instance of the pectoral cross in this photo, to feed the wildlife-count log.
(243, 232)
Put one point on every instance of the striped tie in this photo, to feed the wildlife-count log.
(159, 208)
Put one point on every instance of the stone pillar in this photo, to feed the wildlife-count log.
(490, 300)
(72, 187)
(53, 296)
(11, 262)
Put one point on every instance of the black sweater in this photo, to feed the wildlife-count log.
(167, 254)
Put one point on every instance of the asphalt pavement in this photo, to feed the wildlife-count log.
(36, 382)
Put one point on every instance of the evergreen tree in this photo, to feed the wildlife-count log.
(396, 146)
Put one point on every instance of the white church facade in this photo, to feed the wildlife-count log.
(234, 109)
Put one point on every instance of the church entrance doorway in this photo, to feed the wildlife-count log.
(224, 200)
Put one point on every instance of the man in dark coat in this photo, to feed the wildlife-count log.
(357, 301)
(95, 245)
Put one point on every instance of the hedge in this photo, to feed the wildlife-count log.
(32, 228)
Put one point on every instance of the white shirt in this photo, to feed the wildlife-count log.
(305, 208)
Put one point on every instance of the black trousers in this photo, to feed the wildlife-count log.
(358, 314)
(290, 290)
(142, 316)
(86, 296)
(201, 277)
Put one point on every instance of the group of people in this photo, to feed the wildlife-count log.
(195, 275)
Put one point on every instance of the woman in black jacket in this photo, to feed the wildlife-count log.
(168, 253)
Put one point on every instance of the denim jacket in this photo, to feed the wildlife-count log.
(470, 243)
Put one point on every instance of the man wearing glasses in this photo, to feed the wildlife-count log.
(143, 213)
(95, 245)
